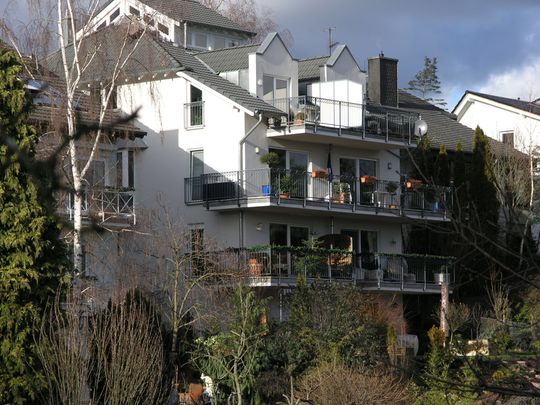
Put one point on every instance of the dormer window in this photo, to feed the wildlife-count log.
(114, 15)
(134, 11)
(163, 29)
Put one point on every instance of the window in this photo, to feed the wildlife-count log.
(367, 167)
(194, 110)
(114, 15)
(274, 88)
(508, 138)
(149, 20)
(199, 39)
(196, 170)
(299, 235)
(131, 169)
(278, 234)
(96, 174)
(134, 11)
(125, 169)
(368, 248)
(163, 29)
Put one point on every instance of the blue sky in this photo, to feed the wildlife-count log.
(482, 45)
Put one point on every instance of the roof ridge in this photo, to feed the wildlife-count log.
(313, 58)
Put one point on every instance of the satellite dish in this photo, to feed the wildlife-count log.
(420, 128)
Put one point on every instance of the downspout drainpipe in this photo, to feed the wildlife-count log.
(185, 34)
(241, 172)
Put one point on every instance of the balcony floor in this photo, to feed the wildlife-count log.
(338, 136)
(315, 207)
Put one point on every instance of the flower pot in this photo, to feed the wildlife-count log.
(284, 195)
(266, 190)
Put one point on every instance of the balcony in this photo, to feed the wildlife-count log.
(317, 191)
(281, 266)
(339, 122)
(106, 206)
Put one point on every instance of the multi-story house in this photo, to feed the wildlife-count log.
(212, 120)
(511, 121)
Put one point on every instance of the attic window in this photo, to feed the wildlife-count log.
(162, 28)
(114, 15)
(134, 11)
(102, 25)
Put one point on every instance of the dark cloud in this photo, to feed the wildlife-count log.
(472, 39)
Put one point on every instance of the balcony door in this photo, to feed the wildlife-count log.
(196, 171)
(352, 170)
(293, 165)
(368, 249)
(276, 91)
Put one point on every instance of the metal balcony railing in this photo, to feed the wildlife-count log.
(317, 188)
(101, 204)
(372, 121)
(194, 114)
(286, 262)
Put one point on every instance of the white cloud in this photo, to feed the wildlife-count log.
(522, 82)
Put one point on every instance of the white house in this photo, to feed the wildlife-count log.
(514, 122)
(210, 117)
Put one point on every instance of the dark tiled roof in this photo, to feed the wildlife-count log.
(443, 128)
(528, 106)
(153, 56)
(200, 72)
(195, 12)
(228, 59)
(310, 68)
(190, 11)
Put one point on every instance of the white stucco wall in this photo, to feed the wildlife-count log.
(495, 120)
(345, 68)
(275, 61)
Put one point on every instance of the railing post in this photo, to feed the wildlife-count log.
(387, 127)
(425, 278)
(239, 177)
(339, 118)
(279, 185)
(363, 121)
(305, 189)
(353, 191)
(401, 268)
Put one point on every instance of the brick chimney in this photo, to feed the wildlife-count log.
(382, 80)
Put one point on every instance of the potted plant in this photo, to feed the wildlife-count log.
(368, 180)
(299, 117)
(341, 192)
(285, 186)
(391, 188)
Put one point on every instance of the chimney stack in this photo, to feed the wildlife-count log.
(382, 80)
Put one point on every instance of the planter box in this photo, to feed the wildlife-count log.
(368, 180)
(319, 174)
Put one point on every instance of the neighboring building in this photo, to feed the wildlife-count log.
(513, 122)
(211, 116)
(185, 22)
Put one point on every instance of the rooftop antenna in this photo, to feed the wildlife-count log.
(330, 43)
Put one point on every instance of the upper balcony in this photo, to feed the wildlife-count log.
(104, 206)
(321, 120)
(316, 191)
(280, 266)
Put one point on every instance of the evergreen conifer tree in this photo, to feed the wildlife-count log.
(32, 256)
(426, 82)
(423, 160)
(483, 193)
(460, 185)
(442, 175)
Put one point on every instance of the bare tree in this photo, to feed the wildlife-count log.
(118, 352)
(249, 16)
(335, 383)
